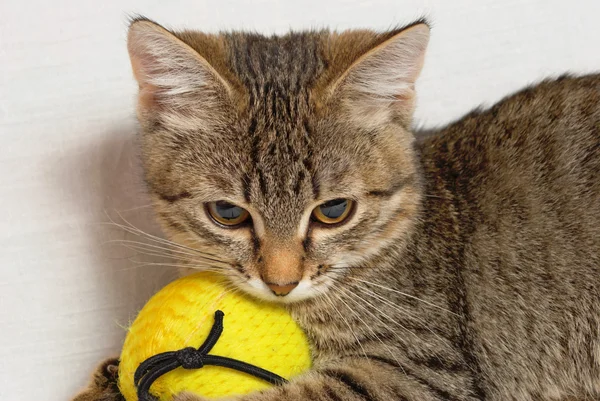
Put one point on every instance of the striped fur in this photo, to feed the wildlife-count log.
(470, 269)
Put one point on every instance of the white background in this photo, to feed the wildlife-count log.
(68, 157)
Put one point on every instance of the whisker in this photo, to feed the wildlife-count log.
(403, 294)
(399, 309)
(164, 244)
(152, 252)
(132, 229)
(381, 298)
(140, 246)
(197, 267)
(344, 320)
(360, 301)
(359, 304)
(390, 319)
(183, 256)
(182, 261)
(164, 248)
(135, 208)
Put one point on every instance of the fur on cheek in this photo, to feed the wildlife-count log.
(393, 226)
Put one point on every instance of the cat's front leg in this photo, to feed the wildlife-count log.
(103, 385)
(354, 379)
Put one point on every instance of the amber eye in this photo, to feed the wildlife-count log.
(333, 212)
(227, 214)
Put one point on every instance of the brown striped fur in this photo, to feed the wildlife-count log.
(471, 268)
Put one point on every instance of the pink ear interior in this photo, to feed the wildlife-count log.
(387, 73)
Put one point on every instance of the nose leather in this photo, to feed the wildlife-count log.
(282, 290)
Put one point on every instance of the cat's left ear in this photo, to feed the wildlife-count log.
(382, 80)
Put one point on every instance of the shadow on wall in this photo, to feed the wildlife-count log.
(129, 222)
(113, 196)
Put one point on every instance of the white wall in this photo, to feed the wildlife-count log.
(68, 158)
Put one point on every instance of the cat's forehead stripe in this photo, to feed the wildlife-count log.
(279, 109)
(285, 64)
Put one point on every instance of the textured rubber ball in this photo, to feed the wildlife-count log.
(182, 314)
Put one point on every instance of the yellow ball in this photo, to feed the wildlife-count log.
(181, 315)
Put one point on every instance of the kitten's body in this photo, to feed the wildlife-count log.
(520, 190)
(492, 292)
(509, 240)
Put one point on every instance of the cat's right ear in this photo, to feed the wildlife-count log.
(171, 75)
(381, 82)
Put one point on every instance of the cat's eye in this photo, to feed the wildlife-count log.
(227, 214)
(333, 212)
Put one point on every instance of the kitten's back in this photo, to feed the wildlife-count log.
(524, 181)
(542, 144)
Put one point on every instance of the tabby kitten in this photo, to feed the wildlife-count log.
(462, 267)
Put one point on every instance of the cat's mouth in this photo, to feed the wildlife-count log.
(307, 288)
(301, 291)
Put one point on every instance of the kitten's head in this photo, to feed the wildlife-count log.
(287, 158)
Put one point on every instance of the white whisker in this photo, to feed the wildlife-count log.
(163, 248)
(344, 320)
(402, 293)
(357, 315)
(158, 247)
(132, 229)
(153, 250)
(390, 319)
(399, 309)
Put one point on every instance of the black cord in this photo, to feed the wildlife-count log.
(190, 358)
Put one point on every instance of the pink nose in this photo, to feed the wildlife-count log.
(282, 290)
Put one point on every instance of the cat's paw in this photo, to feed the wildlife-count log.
(103, 385)
(194, 397)
(109, 370)
(189, 397)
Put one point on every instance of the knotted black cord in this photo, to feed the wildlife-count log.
(191, 358)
